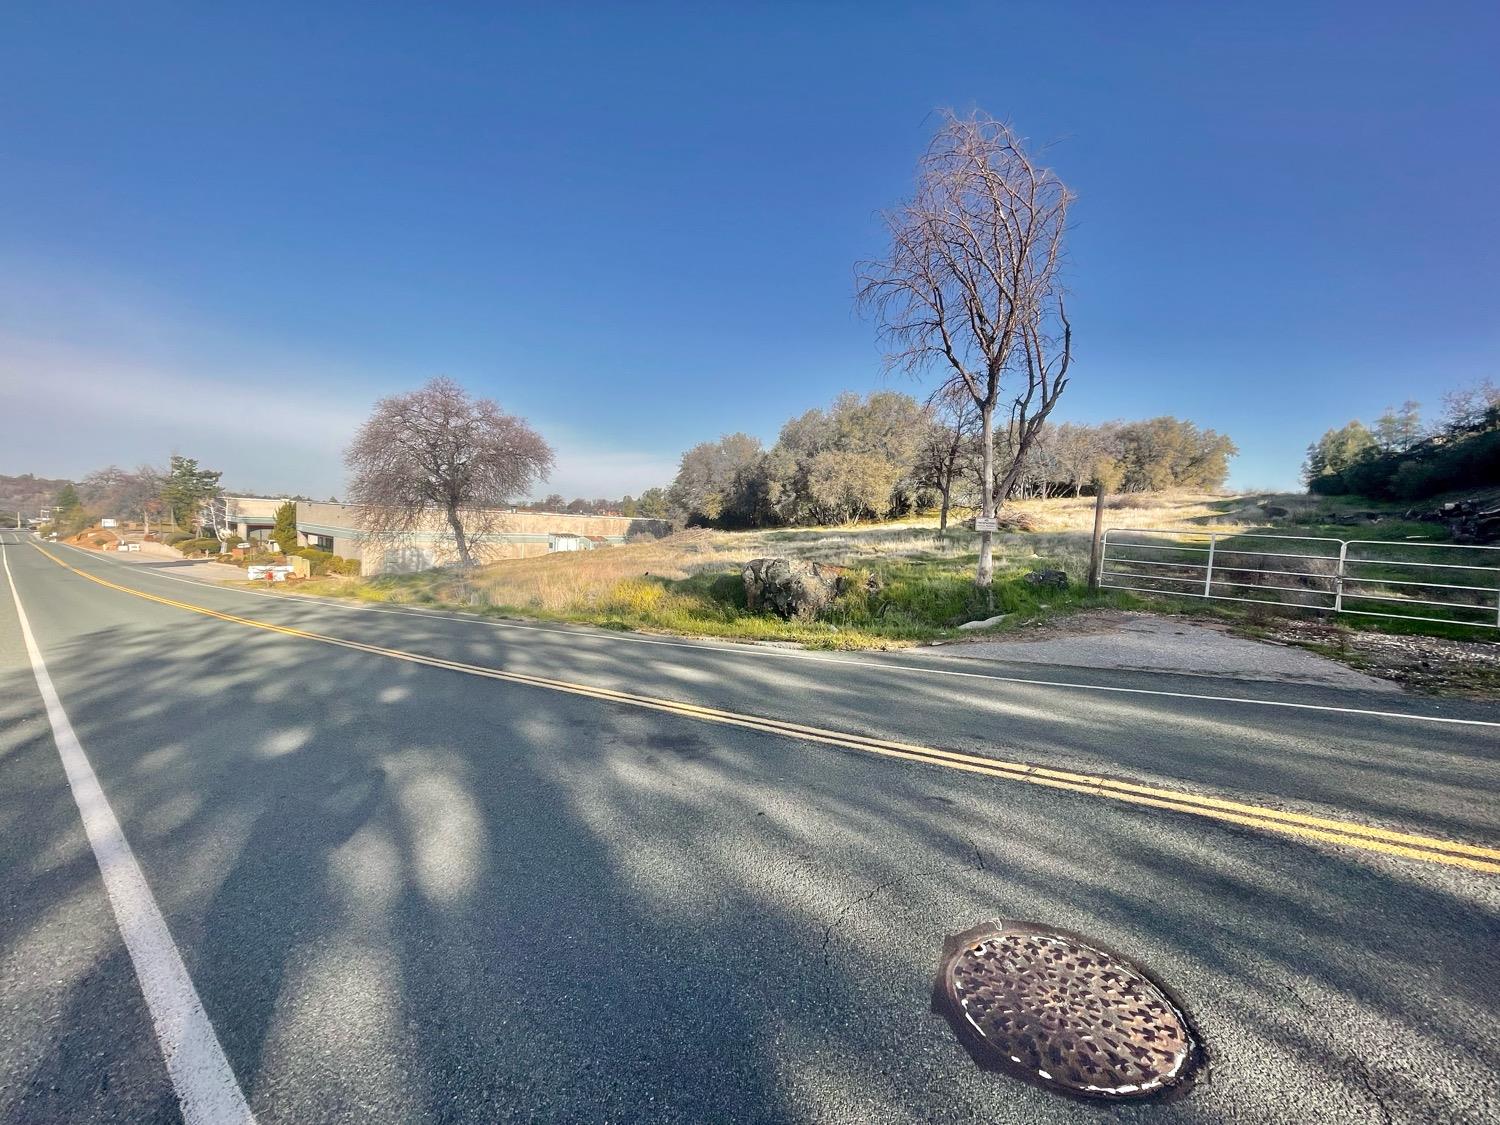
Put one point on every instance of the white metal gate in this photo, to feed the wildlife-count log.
(1450, 583)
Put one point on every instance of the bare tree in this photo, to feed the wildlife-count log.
(970, 285)
(951, 429)
(113, 491)
(438, 449)
(1468, 408)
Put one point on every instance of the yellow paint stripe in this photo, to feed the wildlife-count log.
(1386, 841)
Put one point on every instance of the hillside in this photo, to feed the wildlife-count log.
(27, 492)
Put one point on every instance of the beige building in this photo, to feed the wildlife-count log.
(516, 535)
(252, 516)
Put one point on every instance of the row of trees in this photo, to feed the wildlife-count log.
(885, 454)
(651, 504)
(1399, 457)
(855, 460)
(179, 494)
(433, 448)
(1144, 456)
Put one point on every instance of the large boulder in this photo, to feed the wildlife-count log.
(791, 588)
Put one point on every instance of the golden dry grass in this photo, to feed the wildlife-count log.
(689, 583)
(1150, 510)
(627, 577)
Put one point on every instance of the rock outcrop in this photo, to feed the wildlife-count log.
(1468, 521)
(791, 588)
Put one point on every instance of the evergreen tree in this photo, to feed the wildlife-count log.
(186, 489)
(285, 531)
(1338, 451)
(1396, 431)
(66, 501)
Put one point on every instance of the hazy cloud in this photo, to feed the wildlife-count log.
(87, 381)
(587, 470)
(268, 430)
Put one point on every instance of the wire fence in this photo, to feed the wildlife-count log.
(1448, 583)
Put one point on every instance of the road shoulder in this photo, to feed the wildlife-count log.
(1141, 642)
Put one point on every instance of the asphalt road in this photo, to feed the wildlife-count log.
(420, 867)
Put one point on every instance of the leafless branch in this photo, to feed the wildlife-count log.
(436, 451)
(970, 286)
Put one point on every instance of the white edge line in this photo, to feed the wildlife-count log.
(207, 1090)
(792, 654)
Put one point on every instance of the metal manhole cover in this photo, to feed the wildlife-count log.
(1058, 1010)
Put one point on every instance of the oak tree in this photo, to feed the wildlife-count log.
(437, 449)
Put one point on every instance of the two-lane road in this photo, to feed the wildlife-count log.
(425, 867)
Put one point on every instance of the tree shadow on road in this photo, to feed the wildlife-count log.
(408, 894)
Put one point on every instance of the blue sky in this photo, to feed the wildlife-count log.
(228, 229)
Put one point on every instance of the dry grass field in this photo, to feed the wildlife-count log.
(585, 578)
(690, 582)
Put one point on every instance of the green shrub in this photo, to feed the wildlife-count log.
(326, 562)
(191, 546)
(172, 538)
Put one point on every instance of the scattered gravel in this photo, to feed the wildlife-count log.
(1433, 665)
(1145, 642)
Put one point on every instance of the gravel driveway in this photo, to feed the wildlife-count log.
(1142, 642)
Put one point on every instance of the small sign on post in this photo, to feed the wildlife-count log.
(982, 524)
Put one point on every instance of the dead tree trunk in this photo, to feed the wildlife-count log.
(986, 572)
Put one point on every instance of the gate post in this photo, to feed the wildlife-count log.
(1096, 560)
(1338, 579)
(1208, 579)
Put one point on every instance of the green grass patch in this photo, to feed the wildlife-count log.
(913, 599)
(1380, 570)
(923, 586)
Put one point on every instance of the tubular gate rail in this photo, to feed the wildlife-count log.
(1450, 583)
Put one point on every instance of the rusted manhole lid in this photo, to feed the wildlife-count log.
(1061, 1011)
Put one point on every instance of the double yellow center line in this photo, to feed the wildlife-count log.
(1303, 825)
